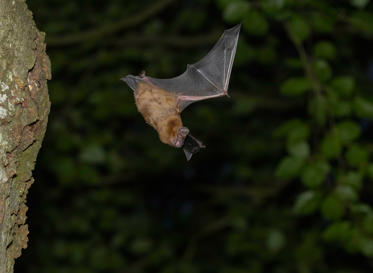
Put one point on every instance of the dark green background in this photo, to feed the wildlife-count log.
(285, 183)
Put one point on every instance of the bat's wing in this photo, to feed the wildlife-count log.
(192, 146)
(208, 78)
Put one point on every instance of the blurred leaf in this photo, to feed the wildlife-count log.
(318, 108)
(92, 154)
(65, 169)
(368, 223)
(295, 63)
(295, 86)
(307, 202)
(362, 21)
(299, 149)
(366, 245)
(338, 231)
(223, 3)
(359, 3)
(322, 70)
(361, 208)
(299, 28)
(322, 22)
(254, 23)
(346, 193)
(272, 6)
(290, 126)
(341, 108)
(332, 208)
(363, 108)
(343, 86)
(331, 146)
(357, 156)
(244, 105)
(235, 11)
(325, 49)
(370, 171)
(353, 244)
(88, 174)
(275, 240)
(265, 55)
(141, 245)
(351, 178)
(348, 131)
(314, 173)
(245, 52)
(289, 167)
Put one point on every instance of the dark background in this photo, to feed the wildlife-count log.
(285, 183)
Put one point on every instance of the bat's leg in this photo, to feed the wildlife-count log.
(200, 144)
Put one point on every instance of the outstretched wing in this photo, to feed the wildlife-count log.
(208, 78)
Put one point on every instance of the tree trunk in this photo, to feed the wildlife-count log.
(24, 108)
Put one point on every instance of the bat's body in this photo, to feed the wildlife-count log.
(159, 109)
(161, 101)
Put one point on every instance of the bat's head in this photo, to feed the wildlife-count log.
(181, 134)
(132, 81)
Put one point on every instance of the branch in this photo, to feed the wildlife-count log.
(110, 28)
(316, 85)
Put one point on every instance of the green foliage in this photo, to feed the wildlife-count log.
(235, 11)
(314, 174)
(254, 23)
(295, 86)
(343, 85)
(289, 167)
(332, 208)
(284, 184)
(299, 28)
(325, 49)
(307, 202)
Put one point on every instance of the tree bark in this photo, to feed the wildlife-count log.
(24, 109)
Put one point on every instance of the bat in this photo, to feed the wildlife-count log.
(161, 101)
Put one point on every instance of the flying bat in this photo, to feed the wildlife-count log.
(161, 101)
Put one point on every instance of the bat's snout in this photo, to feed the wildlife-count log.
(180, 137)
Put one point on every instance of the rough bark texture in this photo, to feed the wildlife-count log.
(24, 108)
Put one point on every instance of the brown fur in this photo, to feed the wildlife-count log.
(158, 108)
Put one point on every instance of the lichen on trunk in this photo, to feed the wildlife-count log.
(24, 109)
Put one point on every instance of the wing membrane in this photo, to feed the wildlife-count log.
(207, 78)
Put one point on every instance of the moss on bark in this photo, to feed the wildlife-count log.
(24, 108)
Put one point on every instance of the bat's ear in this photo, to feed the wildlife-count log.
(131, 81)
